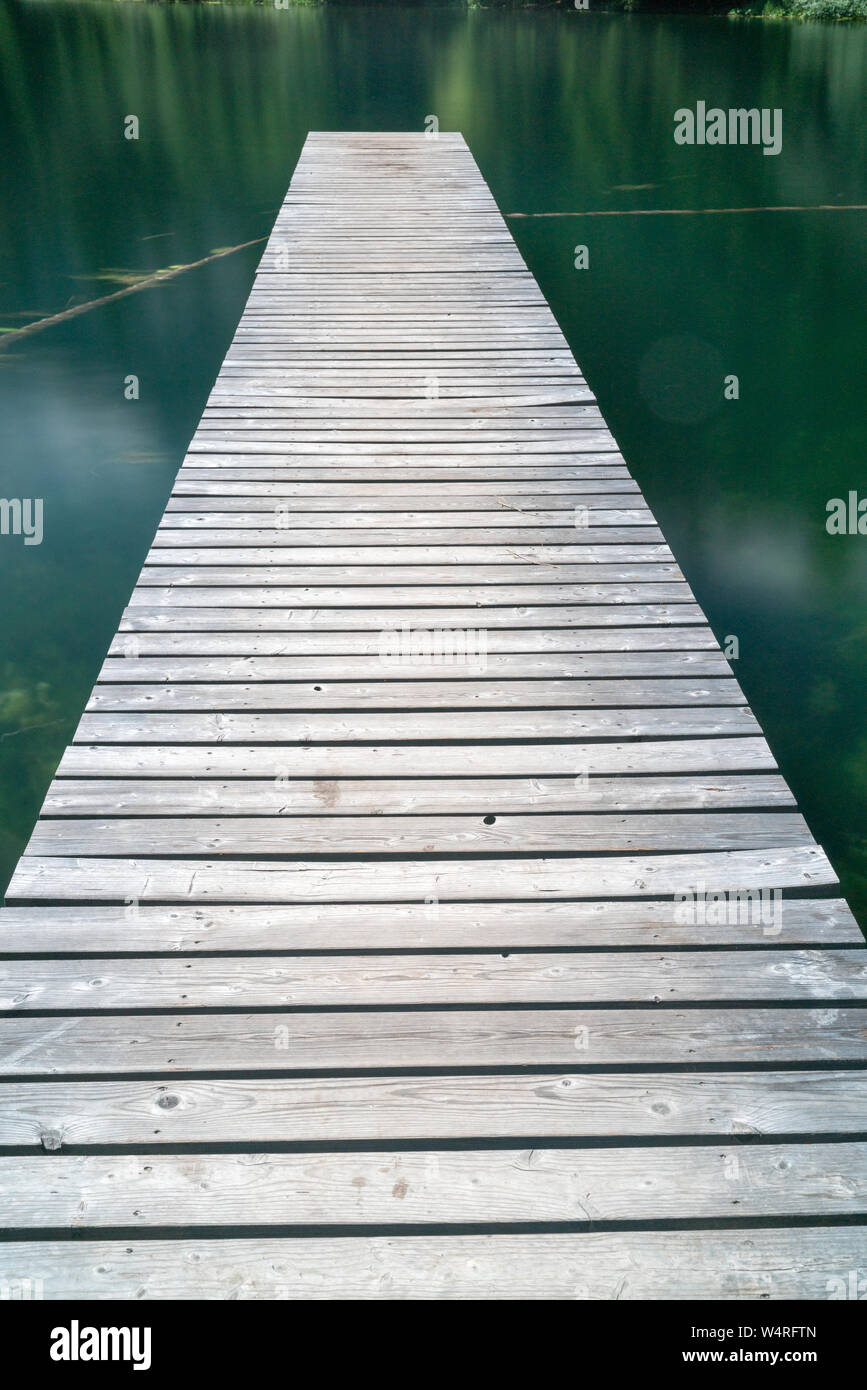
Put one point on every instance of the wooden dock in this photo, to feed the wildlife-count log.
(352, 954)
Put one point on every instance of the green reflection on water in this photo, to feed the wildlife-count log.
(565, 112)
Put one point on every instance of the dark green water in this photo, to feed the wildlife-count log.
(564, 111)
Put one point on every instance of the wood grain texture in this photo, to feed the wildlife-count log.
(303, 761)
(381, 1189)
(418, 834)
(347, 1041)
(336, 1109)
(299, 618)
(95, 796)
(139, 928)
(408, 727)
(798, 1263)
(147, 879)
(502, 978)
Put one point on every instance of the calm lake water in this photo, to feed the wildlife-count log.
(565, 112)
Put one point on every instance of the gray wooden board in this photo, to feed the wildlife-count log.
(238, 444)
(53, 1114)
(117, 1044)
(174, 572)
(480, 494)
(379, 1189)
(216, 496)
(418, 759)
(138, 928)
(462, 662)
(418, 834)
(486, 522)
(272, 437)
(800, 1262)
(277, 423)
(582, 466)
(577, 618)
(264, 530)
(468, 691)
(601, 483)
(379, 726)
(146, 879)
(158, 591)
(487, 526)
(343, 643)
(95, 796)
(443, 539)
(594, 561)
(202, 498)
(281, 402)
(496, 978)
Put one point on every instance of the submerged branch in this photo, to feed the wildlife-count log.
(685, 212)
(149, 281)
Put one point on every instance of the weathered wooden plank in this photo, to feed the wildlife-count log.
(261, 578)
(521, 362)
(222, 617)
(441, 526)
(347, 1041)
(593, 475)
(498, 978)
(202, 499)
(472, 495)
(572, 558)
(362, 726)
(801, 1262)
(603, 483)
(436, 426)
(52, 1114)
(419, 834)
(409, 383)
(604, 544)
(109, 696)
(442, 539)
(389, 438)
(410, 387)
(418, 595)
(457, 400)
(282, 403)
(443, 505)
(266, 881)
(356, 443)
(318, 761)
(374, 390)
(95, 796)
(517, 1186)
(344, 643)
(396, 655)
(137, 928)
